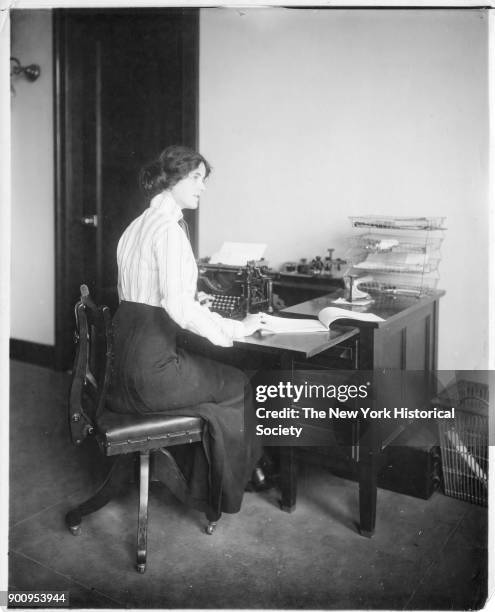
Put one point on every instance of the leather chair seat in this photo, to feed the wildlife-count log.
(128, 433)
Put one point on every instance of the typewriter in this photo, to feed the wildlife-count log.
(236, 290)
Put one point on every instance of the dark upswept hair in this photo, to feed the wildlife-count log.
(172, 165)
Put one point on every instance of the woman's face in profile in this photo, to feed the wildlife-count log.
(188, 190)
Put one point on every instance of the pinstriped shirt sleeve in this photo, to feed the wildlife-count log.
(157, 267)
(177, 276)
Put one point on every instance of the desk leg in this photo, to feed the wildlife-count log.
(288, 478)
(288, 461)
(368, 469)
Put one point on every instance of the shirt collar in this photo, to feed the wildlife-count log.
(166, 205)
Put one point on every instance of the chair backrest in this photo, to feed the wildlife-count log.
(92, 366)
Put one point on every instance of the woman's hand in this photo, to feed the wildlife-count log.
(252, 323)
(205, 299)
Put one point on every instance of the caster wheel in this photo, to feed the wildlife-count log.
(141, 567)
(75, 530)
(210, 528)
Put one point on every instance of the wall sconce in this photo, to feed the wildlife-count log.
(31, 72)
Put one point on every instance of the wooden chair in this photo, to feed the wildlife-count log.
(117, 435)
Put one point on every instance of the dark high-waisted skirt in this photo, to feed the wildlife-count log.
(151, 374)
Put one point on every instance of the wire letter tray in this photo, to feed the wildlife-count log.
(396, 254)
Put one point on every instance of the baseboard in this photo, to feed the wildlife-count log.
(32, 352)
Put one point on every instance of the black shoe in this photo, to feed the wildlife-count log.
(259, 481)
(268, 466)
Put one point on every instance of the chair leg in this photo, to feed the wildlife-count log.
(144, 477)
(213, 518)
(111, 486)
(210, 528)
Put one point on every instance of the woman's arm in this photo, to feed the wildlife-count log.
(177, 276)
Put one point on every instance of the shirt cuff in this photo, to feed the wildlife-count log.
(238, 329)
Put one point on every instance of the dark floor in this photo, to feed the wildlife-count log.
(425, 554)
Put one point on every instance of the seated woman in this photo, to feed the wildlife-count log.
(157, 276)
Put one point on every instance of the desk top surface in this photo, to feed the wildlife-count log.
(388, 306)
(297, 345)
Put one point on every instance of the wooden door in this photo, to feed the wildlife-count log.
(126, 87)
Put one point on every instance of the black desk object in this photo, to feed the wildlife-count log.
(292, 287)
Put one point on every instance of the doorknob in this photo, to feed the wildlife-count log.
(90, 220)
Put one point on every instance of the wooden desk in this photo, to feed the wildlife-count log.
(405, 340)
(291, 350)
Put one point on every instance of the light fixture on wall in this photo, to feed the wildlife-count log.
(31, 72)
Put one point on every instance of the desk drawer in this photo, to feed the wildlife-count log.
(341, 357)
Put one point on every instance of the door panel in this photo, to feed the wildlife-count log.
(126, 87)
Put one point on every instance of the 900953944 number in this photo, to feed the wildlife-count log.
(37, 598)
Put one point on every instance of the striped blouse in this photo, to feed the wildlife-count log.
(157, 267)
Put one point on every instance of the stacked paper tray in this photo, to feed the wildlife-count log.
(389, 282)
(400, 253)
(398, 223)
(400, 262)
(403, 242)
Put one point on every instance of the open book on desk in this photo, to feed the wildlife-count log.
(326, 316)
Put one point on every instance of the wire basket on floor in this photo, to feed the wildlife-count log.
(464, 441)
